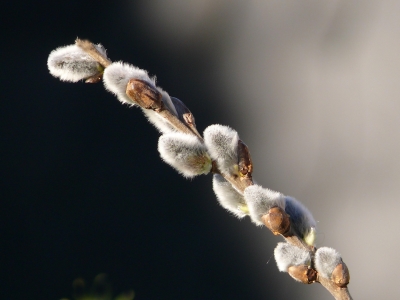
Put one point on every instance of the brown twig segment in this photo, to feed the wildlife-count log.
(339, 293)
(174, 121)
(90, 49)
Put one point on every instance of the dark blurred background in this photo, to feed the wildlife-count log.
(311, 86)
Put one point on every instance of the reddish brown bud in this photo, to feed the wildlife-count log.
(303, 274)
(145, 95)
(95, 78)
(277, 220)
(244, 160)
(341, 275)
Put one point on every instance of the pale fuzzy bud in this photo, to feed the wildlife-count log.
(71, 63)
(222, 143)
(260, 200)
(185, 153)
(228, 197)
(287, 255)
(326, 259)
(301, 220)
(117, 75)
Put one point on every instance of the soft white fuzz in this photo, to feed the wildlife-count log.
(326, 259)
(158, 121)
(287, 255)
(228, 197)
(301, 220)
(166, 99)
(185, 153)
(222, 142)
(260, 200)
(71, 63)
(117, 75)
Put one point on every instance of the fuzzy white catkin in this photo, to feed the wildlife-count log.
(185, 153)
(222, 143)
(260, 200)
(326, 259)
(301, 220)
(117, 75)
(71, 63)
(158, 121)
(287, 255)
(228, 197)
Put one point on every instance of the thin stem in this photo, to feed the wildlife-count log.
(178, 125)
(337, 292)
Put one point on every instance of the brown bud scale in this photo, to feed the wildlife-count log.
(277, 220)
(145, 95)
(244, 160)
(303, 273)
(95, 78)
(341, 275)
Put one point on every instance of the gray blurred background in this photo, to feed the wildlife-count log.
(313, 89)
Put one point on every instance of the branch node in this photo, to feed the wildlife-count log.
(303, 273)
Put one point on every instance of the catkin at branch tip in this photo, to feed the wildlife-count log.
(71, 63)
(287, 255)
(228, 197)
(185, 153)
(117, 75)
(326, 259)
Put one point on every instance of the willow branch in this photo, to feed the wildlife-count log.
(148, 97)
